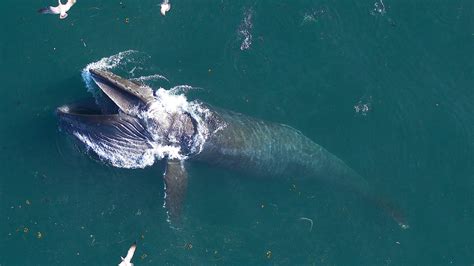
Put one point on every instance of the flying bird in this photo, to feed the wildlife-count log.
(128, 258)
(61, 9)
(165, 7)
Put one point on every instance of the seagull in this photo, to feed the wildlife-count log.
(128, 258)
(165, 7)
(61, 9)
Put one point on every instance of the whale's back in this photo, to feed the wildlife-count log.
(271, 149)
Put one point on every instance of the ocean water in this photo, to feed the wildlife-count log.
(387, 86)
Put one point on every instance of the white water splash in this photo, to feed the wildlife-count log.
(245, 30)
(154, 77)
(161, 112)
(363, 106)
(308, 17)
(379, 8)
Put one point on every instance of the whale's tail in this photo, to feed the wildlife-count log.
(338, 172)
(392, 210)
(368, 193)
(383, 203)
(358, 185)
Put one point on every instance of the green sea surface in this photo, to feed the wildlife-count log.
(386, 86)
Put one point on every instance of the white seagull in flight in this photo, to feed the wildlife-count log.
(165, 7)
(61, 9)
(128, 258)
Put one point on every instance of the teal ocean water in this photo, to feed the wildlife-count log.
(385, 86)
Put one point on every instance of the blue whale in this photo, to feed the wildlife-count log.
(130, 126)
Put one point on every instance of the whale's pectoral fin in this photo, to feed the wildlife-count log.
(176, 183)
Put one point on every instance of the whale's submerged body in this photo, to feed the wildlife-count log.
(132, 126)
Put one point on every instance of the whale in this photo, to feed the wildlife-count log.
(130, 125)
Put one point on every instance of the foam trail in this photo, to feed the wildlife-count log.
(151, 78)
(245, 30)
(183, 89)
(379, 8)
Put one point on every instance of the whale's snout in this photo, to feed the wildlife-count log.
(126, 94)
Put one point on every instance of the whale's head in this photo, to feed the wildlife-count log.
(123, 125)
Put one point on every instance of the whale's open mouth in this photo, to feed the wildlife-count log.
(109, 125)
(121, 100)
(128, 125)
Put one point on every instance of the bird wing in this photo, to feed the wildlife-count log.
(50, 10)
(130, 252)
(69, 4)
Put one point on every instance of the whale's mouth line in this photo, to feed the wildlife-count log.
(89, 113)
